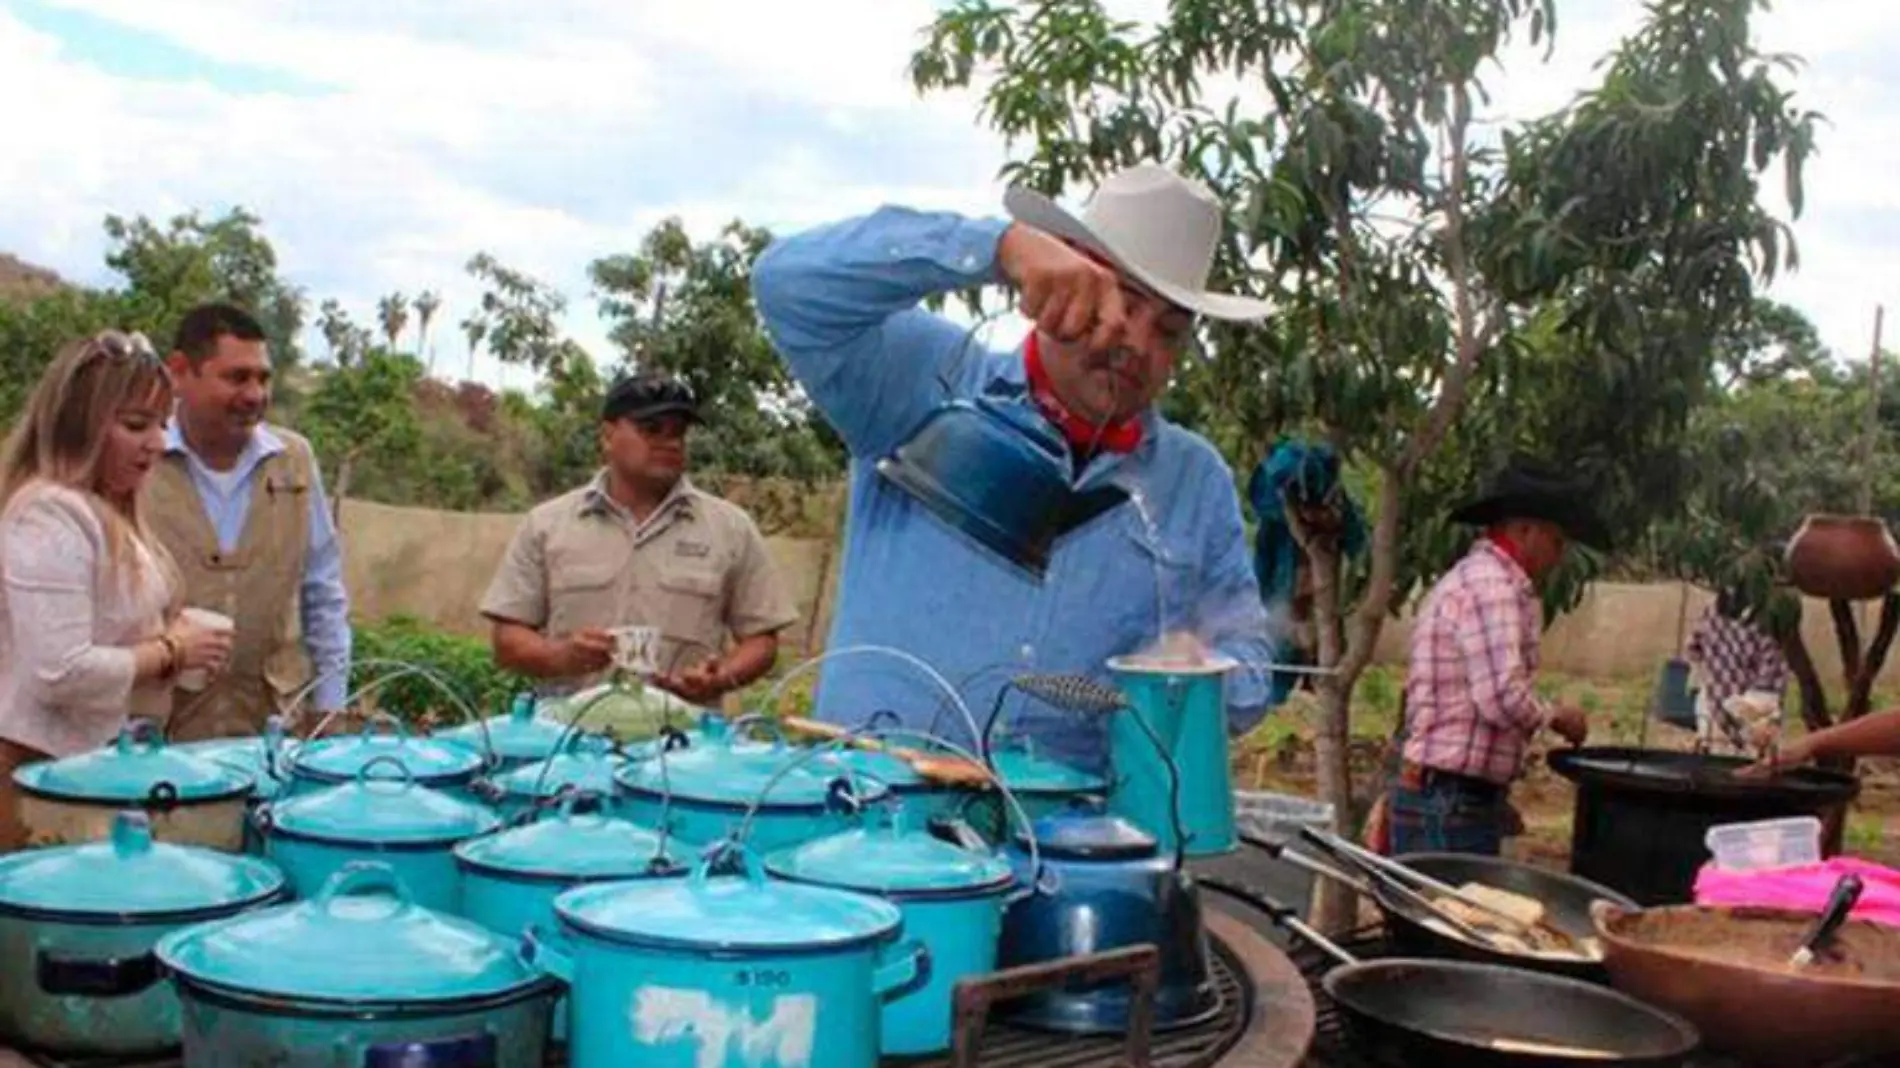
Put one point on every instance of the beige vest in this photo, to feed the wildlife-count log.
(258, 584)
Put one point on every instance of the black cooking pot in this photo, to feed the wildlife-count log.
(1642, 814)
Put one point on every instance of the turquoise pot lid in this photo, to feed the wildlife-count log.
(715, 913)
(381, 806)
(728, 772)
(570, 844)
(1020, 768)
(589, 764)
(135, 769)
(890, 857)
(519, 735)
(360, 939)
(428, 759)
(894, 772)
(130, 876)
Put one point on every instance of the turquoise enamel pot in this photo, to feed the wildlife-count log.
(728, 971)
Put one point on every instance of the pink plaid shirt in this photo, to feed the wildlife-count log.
(1736, 657)
(1469, 705)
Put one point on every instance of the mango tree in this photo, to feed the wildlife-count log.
(1446, 296)
(685, 308)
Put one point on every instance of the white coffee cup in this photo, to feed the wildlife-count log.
(636, 649)
(196, 679)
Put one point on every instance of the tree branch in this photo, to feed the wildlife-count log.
(1814, 711)
(1861, 696)
(1847, 637)
(1471, 339)
(1369, 615)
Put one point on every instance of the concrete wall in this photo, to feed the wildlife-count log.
(436, 565)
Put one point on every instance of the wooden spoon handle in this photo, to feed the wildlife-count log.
(944, 770)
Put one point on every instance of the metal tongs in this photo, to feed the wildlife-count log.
(1416, 888)
(1840, 904)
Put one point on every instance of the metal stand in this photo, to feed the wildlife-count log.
(1141, 965)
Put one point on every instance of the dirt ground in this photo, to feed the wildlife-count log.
(1278, 757)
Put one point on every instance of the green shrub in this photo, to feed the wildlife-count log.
(466, 664)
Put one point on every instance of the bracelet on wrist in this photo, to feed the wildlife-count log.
(173, 654)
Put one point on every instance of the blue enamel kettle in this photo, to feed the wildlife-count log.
(997, 472)
(1107, 885)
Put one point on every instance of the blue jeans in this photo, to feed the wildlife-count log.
(1447, 816)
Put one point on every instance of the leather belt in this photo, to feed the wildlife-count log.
(1419, 777)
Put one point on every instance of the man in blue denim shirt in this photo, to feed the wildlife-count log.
(1114, 295)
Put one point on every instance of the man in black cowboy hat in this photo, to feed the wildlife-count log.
(1471, 709)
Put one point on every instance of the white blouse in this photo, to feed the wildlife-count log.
(68, 622)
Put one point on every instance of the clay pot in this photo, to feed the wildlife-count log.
(1843, 558)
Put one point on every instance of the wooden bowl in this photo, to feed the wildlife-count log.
(1725, 970)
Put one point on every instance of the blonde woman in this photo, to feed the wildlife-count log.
(89, 632)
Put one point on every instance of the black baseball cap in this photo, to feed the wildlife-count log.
(644, 396)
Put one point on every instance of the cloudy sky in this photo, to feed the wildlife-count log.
(385, 142)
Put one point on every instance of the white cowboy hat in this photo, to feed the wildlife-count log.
(1156, 227)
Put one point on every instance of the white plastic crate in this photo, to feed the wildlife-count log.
(1765, 844)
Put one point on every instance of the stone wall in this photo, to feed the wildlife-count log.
(436, 565)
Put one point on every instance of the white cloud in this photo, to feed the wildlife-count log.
(552, 133)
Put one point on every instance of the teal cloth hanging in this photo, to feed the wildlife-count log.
(1306, 474)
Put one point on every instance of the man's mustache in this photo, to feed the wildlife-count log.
(1114, 359)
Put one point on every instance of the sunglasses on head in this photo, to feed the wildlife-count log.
(123, 345)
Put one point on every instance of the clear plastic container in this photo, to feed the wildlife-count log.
(1278, 818)
(1766, 844)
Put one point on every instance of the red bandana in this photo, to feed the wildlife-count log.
(1083, 436)
(1508, 547)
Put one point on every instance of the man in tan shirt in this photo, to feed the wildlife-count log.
(640, 546)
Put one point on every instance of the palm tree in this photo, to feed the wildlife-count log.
(476, 327)
(427, 303)
(393, 312)
(338, 332)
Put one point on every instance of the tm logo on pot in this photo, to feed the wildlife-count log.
(783, 1038)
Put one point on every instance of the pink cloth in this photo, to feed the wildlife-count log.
(1470, 704)
(1805, 888)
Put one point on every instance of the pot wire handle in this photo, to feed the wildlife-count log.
(754, 719)
(582, 743)
(407, 777)
(360, 878)
(401, 669)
